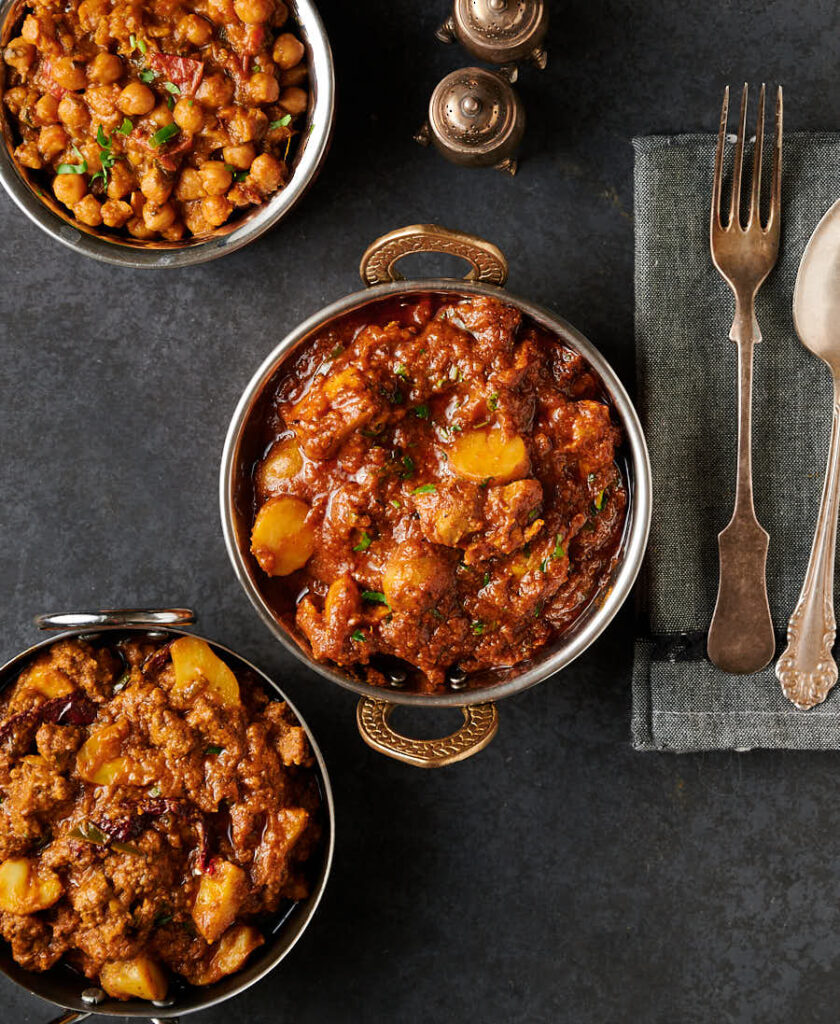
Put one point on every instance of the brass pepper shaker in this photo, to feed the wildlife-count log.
(499, 31)
(475, 120)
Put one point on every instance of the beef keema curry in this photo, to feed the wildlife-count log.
(157, 814)
(439, 486)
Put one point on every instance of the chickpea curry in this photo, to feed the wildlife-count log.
(158, 119)
(438, 488)
(157, 813)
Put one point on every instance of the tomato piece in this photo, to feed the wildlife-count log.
(184, 72)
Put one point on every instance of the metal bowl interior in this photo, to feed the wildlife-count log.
(311, 151)
(64, 987)
(484, 686)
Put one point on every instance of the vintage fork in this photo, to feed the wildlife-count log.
(741, 637)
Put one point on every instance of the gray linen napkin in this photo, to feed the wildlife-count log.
(687, 399)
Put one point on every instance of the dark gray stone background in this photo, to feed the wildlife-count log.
(558, 876)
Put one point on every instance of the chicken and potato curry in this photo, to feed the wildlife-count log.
(157, 814)
(157, 120)
(438, 485)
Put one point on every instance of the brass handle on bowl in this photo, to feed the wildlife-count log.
(378, 262)
(481, 723)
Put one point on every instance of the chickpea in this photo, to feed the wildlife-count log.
(102, 100)
(67, 74)
(216, 210)
(73, 111)
(215, 178)
(19, 54)
(194, 219)
(294, 76)
(221, 12)
(121, 181)
(52, 140)
(195, 30)
(263, 88)
(91, 12)
(69, 188)
(253, 12)
(15, 98)
(137, 227)
(281, 14)
(158, 218)
(88, 211)
(27, 154)
(136, 98)
(215, 90)
(188, 115)
(155, 186)
(189, 185)
(267, 172)
(174, 232)
(115, 213)
(288, 51)
(46, 109)
(161, 115)
(294, 100)
(105, 68)
(240, 157)
(247, 124)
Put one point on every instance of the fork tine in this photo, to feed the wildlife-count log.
(738, 166)
(717, 188)
(755, 203)
(776, 191)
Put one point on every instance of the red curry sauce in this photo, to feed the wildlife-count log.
(439, 485)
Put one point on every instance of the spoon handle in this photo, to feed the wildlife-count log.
(806, 669)
(741, 635)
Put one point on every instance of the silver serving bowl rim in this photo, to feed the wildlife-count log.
(569, 646)
(314, 143)
(247, 976)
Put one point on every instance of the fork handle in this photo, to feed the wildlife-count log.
(806, 669)
(741, 637)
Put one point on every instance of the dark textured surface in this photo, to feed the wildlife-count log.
(558, 876)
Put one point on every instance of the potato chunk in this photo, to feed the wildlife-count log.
(235, 946)
(140, 978)
(485, 454)
(220, 895)
(282, 463)
(415, 578)
(198, 668)
(26, 887)
(100, 761)
(46, 679)
(282, 541)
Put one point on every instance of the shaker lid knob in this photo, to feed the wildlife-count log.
(499, 31)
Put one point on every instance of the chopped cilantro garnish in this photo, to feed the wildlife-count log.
(599, 502)
(374, 595)
(102, 138)
(485, 482)
(477, 627)
(358, 636)
(558, 551)
(147, 75)
(126, 128)
(590, 478)
(79, 168)
(283, 122)
(486, 579)
(240, 175)
(424, 489)
(213, 750)
(172, 87)
(395, 503)
(164, 134)
(408, 467)
(493, 401)
(137, 44)
(402, 371)
(422, 412)
(454, 373)
(365, 542)
(154, 791)
(543, 565)
(538, 610)
(532, 515)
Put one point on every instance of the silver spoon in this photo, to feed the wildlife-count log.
(806, 669)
